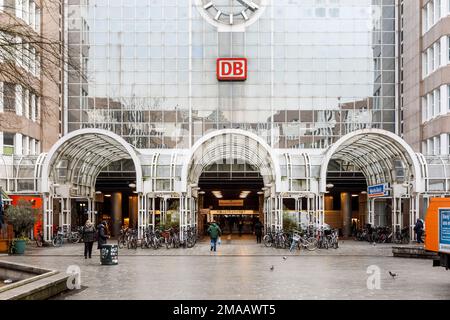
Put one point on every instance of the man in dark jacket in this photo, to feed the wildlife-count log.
(102, 234)
(418, 228)
(88, 238)
(258, 231)
(214, 233)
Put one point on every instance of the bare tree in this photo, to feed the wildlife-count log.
(30, 57)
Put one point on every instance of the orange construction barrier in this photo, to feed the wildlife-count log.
(437, 225)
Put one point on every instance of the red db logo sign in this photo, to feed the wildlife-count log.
(232, 69)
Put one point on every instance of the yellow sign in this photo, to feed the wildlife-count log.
(231, 203)
(231, 212)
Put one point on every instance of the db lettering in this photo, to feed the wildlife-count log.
(231, 69)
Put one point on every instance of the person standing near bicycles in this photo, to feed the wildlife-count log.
(418, 229)
(88, 235)
(258, 230)
(214, 233)
(102, 234)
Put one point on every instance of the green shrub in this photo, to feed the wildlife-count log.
(22, 217)
(289, 223)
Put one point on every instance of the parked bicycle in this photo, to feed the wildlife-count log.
(300, 240)
(58, 239)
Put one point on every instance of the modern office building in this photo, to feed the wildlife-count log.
(214, 109)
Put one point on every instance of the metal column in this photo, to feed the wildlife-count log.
(185, 212)
(277, 212)
(91, 211)
(65, 215)
(163, 210)
(371, 211)
(48, 218)
(396, 213)
(143, 218)
(413, 214)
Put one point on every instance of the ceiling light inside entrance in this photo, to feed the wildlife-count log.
(217, 194)
(244, 194)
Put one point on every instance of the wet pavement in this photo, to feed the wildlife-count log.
(242, 270)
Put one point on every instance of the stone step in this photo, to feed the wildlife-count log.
(41, 289)
(417, 252)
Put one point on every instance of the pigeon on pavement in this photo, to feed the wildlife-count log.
(271, 268)
(393, 275)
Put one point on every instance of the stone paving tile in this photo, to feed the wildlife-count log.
(235, 248)
(242, 271)
(249, 277)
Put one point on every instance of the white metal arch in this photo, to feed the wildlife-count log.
(100, 147)
(371, 147)
(214, 155)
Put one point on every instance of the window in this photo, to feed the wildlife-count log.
(437, 145)
(448, 101)
(9, 97)
(430, 144)
(437, 102)
(448, 142)
(8, 143)
(437, 53)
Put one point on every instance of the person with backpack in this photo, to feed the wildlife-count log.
(418, 229)
(214, 233)
(88, 235)
(102, 234)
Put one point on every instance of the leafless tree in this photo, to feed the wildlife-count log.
(30, 57)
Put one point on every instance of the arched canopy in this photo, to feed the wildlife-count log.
(381, 156)
(78, 158)
(231, 144)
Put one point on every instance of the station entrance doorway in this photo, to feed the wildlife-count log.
(231, 195)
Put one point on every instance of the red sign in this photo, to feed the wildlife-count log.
(232, 69)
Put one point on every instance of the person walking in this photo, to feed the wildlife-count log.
(102, 234)
(214, 233)
(418, 229)
(258, 231)
(88, 236)
(240, 226)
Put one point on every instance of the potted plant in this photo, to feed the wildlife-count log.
(22, 217)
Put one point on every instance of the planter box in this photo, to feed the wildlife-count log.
(4, 245)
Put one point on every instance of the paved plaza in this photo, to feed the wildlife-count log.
(241, 270)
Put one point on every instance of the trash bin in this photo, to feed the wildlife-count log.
(109, 254)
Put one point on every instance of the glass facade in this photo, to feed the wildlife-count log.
(146, 70)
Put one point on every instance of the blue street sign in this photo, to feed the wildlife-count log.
(379, 190)
(444, 230)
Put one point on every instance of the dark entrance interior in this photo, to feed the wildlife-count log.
(231, 195)
(346, 198)
(116, 201)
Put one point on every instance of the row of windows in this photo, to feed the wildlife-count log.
(26, 10)
(180, 138)
(18, 144)
(438, 145)
(436, 56)
(23, 54)
(433, 11)
(436, 103)
(19, 100)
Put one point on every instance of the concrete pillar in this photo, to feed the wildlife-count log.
(116, 212)
(346, 209)
(261, 208)
(329, 206)
(133, 211)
